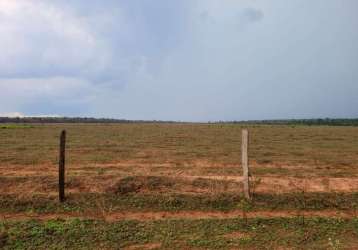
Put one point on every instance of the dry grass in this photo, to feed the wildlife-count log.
(101, 155)
(182, 144)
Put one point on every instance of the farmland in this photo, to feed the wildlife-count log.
(178, 186)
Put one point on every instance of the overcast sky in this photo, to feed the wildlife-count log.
(191, 60)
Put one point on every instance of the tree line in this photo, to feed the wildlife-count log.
(308, 122)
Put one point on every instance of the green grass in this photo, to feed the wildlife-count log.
(91, 202)
(316, 233)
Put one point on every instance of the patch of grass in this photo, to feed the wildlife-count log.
(134, 184)
(313, 201)
(182, 234)
(212, 184)
(3, 238)
(15, 126)
(128, 202)
(90, 202)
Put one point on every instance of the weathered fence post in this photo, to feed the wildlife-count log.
(245, 162)
(61, 169)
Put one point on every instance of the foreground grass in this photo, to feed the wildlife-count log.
(97, 203)
(315, 233)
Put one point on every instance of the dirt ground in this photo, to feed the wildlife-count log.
(17, 179)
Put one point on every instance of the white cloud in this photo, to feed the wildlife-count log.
(43, 38)
(21, 115)
(12, 114)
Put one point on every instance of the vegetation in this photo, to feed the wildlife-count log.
(318, 233)
(318, 147)
(15, 126)
(177, 186)
(144, 202)
(310, 122)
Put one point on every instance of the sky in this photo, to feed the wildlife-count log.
(182, 60)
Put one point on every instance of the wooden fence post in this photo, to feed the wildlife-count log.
(61, 169)
(245, 162)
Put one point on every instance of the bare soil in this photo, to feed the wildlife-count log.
(146, 216)
(99, 178)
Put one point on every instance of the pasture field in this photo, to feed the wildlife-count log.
(178, 186)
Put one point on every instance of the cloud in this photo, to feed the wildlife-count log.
(252, 14)
(45, 39)
(21, 115)
(180, 60)
(58, 93)
(12, 114)
(57, 55)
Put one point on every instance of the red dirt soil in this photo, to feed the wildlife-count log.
(146, 216)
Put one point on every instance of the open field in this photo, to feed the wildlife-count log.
(178, 186)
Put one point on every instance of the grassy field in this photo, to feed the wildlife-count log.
(256, 233)
(178, 186)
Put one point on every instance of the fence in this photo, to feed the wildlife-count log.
(244, 157)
